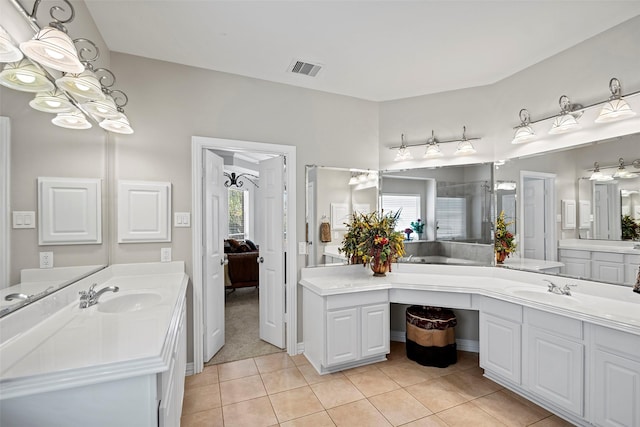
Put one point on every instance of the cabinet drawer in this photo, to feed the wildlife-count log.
(432, 298)
(503, 309)
(632, 259)
(357, 298)
(608, 256)
(620, 342)
(557, 324)
(570, 253)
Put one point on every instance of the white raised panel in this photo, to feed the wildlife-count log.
(144, 211)
(375, 330)
(556, 368)
(616, 390)
(568, 214)
(611, 272)
(342, 336)
(339, 216)
(584, 213)
(577, 267)
(500, 343)
(69, 211)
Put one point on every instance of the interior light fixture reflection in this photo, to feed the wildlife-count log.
(119, 124)
(71, 120)
(25, 76)
(51, 102)
(53, 48)
(84, 86)
(9, 52)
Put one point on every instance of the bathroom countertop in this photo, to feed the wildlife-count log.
(76, 347)
(529, 264)
(599, 303)
(614, 246)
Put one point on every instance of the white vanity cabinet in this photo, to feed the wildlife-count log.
(501, 338)
(553, 352)
(615, 388)
(607, 267)
(610, 267)
(576, 263)
(631, 266)
(345, 330)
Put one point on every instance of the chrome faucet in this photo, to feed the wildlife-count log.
(554, 289)
(90, 297)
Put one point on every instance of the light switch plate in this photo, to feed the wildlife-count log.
(165, 255)
(24, 219)
(46, 259)
(182, 219)
(302, 248)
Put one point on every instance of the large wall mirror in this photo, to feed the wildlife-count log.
(558, 210)
(38, 149)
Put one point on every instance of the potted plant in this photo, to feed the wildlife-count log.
(418, 227)
(504, 240)
(371, 239)
(630, 228)
(408, 232)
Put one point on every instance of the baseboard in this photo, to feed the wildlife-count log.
(189, 369)
(471, 346)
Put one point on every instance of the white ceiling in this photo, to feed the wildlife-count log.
(375, 50)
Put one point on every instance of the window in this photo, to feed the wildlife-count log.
(451, 215)
(238, 214)
(410, 205)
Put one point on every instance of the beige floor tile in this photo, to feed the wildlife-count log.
(209, 418)
(525, 401)
(241, 389)
(296, 403)
(282, 380)
(237, 369)
(436, 394)
(398, 351)
(359, 370)
(255, 413)
(300, 359)
(201, 399)
(467, 360)
(468, 414)
(360, 413)
(313, 377)
(405, 373)
(336, 392)
(552, 421)
(320, 419)
(430, 421)
(373, 382)
(470, 385)
(509, 410)
(274, 362)
(399, 407)
(207, 377)
(435, 372)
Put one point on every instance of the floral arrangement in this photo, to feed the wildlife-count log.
(408, 232)
(504, 240)
(630, 228)
(371, 239)
(417, 226)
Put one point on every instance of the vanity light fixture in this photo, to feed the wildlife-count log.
(354, 179)
(53, 48)
(71, 120)
(433, 149)
(565, 122)
(524, 133)
(25, 76)
(84, 86)
(403, 151)
(51, 102)
(119, 124)
(9, 52)
(465, 147)
(623, 172)
(615, 108)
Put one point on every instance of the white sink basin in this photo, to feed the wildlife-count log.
(129, 302)
(545, 297)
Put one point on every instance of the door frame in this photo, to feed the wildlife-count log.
(198, 144)
(5, 201)
(550, 245)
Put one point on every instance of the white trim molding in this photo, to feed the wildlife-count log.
(5, 200)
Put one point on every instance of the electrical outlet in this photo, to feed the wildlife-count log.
(165, 255)
(46, 259)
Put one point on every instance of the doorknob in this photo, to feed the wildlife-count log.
(261, 260)
(221, 261)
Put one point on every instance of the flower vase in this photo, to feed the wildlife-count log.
(500, 257)
(408, 236)
(420, 236)
(379, 268)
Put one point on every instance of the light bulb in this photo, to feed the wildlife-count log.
(25, 78)
(53, 53)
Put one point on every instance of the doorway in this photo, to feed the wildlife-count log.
(537, 208)
(282, 308)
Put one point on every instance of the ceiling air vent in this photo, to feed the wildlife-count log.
(306, 68)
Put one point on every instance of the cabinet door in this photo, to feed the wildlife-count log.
(556, 368)
(500, 344)
(375, 330)
(576, 267)
(616, 390)
(610, 272)
(342, 336)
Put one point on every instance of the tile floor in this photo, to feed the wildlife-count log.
(278, 390)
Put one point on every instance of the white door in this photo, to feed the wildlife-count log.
(534, 218)
(601, 211)
(270, 229)
(215, 214)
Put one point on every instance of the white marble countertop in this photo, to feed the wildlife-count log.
(599, 303)
(529, 264)
(613, 246)
(74, 347)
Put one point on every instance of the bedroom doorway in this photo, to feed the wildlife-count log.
(276, 276)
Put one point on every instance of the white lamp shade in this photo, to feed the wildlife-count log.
(9, 52)
(71, 120)
(105, 108)
(53, 48)
(465, 148)
(432, 151)
(84, 86)
(403, 154)
(564, 123)
(25, 76)
(523, 134)
(614, 110)
(117, 125)
(51, 102)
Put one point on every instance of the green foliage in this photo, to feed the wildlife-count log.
(630, 228)
(236, 212)
(417, 225)
(504, 239)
